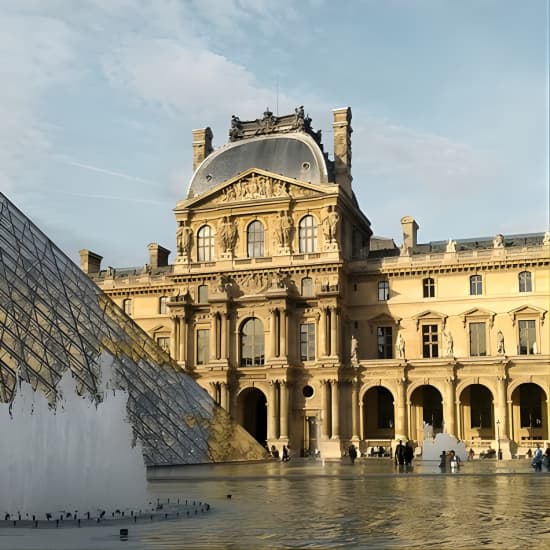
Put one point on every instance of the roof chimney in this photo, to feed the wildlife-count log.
(158, 255)
(341, 126)
(410, 227)
(202, 145)
(90, 262)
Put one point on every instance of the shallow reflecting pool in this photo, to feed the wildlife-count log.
(308, 504)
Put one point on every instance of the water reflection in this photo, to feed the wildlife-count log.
(369, 505)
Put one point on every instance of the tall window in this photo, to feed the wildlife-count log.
(307, 235)
(384, 341)
(430, 346)
(476, 285)
(203, 345)
(205, 244)
(163, 300)
(383, 291)
(477, 339)
(164, 343)
(127, 306)
(203, 294)
(255, 239)
(428, 287)
(307, 287)
(252, 343)
(525, 281)
(307, 341)
(527, 337)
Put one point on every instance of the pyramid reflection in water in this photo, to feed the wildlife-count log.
(54, 318)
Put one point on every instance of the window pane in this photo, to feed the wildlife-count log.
(430, 346)
(307, 286)
(162, 305)
(384, 338)
(205, 244)
(428, 286)
(383, 291)
(525, 284)
(203, 294)
(476, 285)
(307, 235)
(252, 343)
(127, 305)
(164, 343)
(255, 240)
(203, 344)
(307, 341)
(527, 337)
(477, 339)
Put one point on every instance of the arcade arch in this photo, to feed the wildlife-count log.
(252, 413)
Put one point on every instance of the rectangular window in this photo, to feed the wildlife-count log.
(430, 341)
(307, 341)
(476, 285)
(127, 306)
(477, 339)
(384, 341)
(162, 305)
(383, 291)
(527, 337)
(203, 345)
(164, 343)
(203, 294)
(428, 288)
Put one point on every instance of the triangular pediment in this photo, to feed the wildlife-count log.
(527, 310)
(254, 185)
(478, 313)
(429, 315)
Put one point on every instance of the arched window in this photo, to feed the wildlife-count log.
(163, 300)
(525, 281)
(428, 287)
(252, 343)
(307, 287)
(127, 306)
(205, 244)
(203, 294)
(476, 285)
(307, 235)
(255, 239)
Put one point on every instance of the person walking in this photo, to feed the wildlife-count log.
(400, 453)
(352, 452)
(286, 456)
(409, 454)
(537, 459)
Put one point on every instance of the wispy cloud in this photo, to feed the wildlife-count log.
(108, 197)
(106, 171)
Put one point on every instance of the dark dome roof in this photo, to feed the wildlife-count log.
(294, 155)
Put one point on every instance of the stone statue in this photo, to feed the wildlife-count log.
(299, 117)
(228, 234)
(449, 352)
(400, 347)
(498, 241)
(546, 239)
(500, 343)
(183, 239)
(330, 225)
(451, 246)
(284, 228)
(236, 130)
(354, 358)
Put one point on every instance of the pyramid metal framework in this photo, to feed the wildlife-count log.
(53, 318)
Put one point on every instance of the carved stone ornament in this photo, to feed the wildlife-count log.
(254, 283)
(258, 186)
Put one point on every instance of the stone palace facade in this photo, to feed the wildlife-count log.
(314, 333)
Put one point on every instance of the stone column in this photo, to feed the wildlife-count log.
(401, 431)
(224, 396)
(333, 333)
(355, 410)
(361, 421)
(283, 390)
(335, 408)
(326, 408)
(182, 339)
(271, 412)
(283, 322)
(214, 336)
(449, 417)
(501, 407)
(174, 337)
(322, 337)
(274, 332)
(224, 330)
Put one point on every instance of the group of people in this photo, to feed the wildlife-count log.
(274, 452)
(541, 459)
(404, 454)
(449, 460)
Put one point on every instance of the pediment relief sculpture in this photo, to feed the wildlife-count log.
(256, 186)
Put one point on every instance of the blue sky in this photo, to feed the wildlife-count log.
(99, 98)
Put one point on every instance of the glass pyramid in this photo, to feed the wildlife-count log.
(53, 318)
